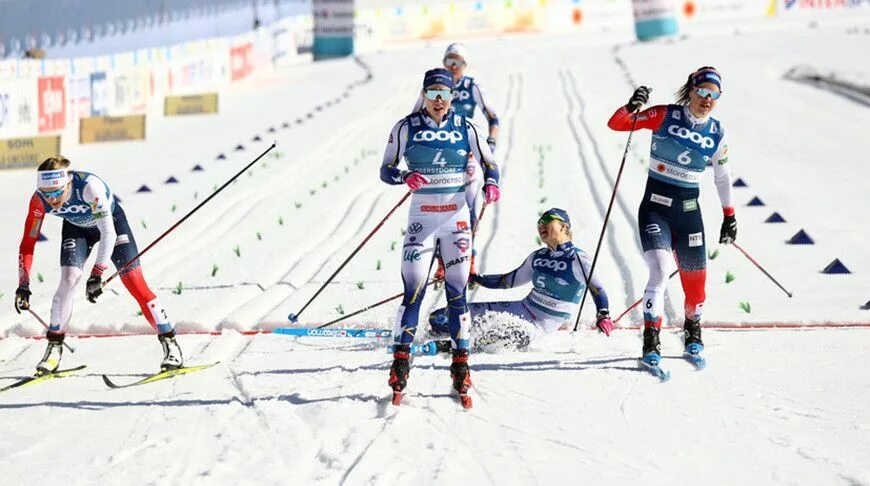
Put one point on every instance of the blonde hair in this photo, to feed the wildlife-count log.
(54, 163)
(686, 89)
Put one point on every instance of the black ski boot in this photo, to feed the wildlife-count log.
(692, 335)
(399, 371)
(652, 347)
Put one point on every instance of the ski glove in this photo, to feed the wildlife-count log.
(94, 288)
(475, 279)
(604, 324)
(22, 299)
(415, 181)
(492, 193)
(491, 142)
(728, 234)
(638, 99)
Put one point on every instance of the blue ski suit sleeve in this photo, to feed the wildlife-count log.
(390, 172)
(520, 276)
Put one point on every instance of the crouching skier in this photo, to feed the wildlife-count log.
(91, 214)
(437, 145)
(558, 274)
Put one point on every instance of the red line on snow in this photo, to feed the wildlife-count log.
(725, 326)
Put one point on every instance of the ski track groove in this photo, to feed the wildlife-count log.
(613, 245)
(515, 84)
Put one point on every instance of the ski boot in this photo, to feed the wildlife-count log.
(694, 345)
(692, 335)
(53, 352)
(652, 347)
(461, 376)
(172, 358)
(399, 371)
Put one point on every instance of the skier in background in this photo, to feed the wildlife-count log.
(468, 95)
(91, 214)
(558, 274)
(438, 145)
(685, 140)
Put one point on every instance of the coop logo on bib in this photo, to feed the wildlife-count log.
(546, 263)
(441, 135)
(685, 133)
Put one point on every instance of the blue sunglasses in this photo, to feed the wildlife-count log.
(704, 92)
(54, 194)
(433, 94)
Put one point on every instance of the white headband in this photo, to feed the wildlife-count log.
(52, 179)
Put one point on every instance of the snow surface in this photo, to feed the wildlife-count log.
(774, 407)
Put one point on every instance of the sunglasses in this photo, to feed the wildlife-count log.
(704, 92)
(452, 61)
(549, 218)
(54, 194)
(434, 94)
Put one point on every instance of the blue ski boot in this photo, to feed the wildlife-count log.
(652, 347)
(694, 345)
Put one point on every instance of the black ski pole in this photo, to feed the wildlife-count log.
(34, 314)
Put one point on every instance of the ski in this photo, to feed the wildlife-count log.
(652, 365)
(334, 333)
(692, 354)
(429, 348)
(696, 360)
(32, 380)
(158, 376)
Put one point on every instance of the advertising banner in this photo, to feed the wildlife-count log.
(99, 94)
(112, 128)
(793, 7)
(190, 104)
(18, 104)
(653, 18)
(241, 61)
(27, 152)
(333, 28)
(51, 103)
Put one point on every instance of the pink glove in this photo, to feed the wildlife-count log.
(492, 193)
(604, 325)
(415, 181)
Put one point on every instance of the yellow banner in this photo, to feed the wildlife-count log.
(191, 104)
(27, 152)
(112, 128)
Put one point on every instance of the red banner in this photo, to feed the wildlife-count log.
(241, 63)
(52, 103)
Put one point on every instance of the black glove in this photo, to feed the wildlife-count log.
(22, 299)
(639, 98)
(475, 279)
(728, 234)
(491, 142)
(94, 288)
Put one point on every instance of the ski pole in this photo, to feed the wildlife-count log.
(189, 214)
(34, 314)
(762, 269)
(394, 297)
(607, 216)
(295, 317)
(639, 301)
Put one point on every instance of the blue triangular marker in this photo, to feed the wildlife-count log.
(171, 180)
(197, 168)
(271, 130)
(836, 267)
(866, 306)
(144, 188)
(240, 147)
(299, 121)
(755, 202)
(801, 238)
(257, 137)
(285, 125)
(318, 108)
(221, 157)
(739, 183)
(41, 237)
(775, 218)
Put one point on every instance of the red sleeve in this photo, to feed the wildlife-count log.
(32, 224)
(651, 118)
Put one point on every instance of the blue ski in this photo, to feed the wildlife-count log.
(335, 333)
(651, 364)
(693, 355)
